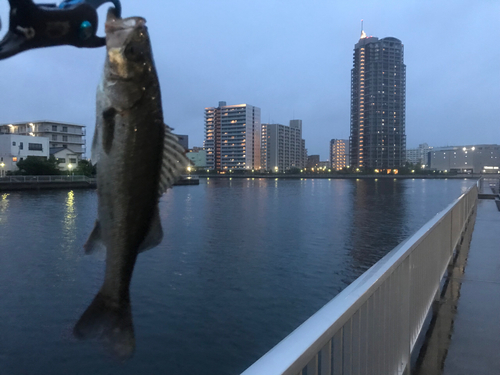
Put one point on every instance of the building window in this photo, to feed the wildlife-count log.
(61, 160)
(35, 147)
(72, 160)
(65, 138)
(14, 159)
(54, 137)
(54, 128)
(21, 145)
(65, 129)
(13, 143)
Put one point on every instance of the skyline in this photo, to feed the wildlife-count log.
(290, 59)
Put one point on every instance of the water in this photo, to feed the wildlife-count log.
(243, 263)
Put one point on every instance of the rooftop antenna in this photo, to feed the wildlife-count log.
(363, 35)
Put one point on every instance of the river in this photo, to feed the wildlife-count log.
(243, 263)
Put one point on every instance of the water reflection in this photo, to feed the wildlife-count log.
(378, 220)
(241, 265)
(69, 227)
(4, 203)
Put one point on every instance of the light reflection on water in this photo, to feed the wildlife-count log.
(69, 218)
(243, 262)
(4, 205)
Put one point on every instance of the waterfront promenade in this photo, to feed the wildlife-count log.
(465, 338)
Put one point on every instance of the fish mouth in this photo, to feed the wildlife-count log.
(114, 24)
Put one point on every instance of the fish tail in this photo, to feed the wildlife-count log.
(111, 323)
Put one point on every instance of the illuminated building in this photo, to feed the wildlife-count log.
(339, 154)
(282, 146)
(232, 137)
(466, 159)
(378, 99)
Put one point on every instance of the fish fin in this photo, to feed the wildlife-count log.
(155, 234)
(94, 242)
(111, 323)
(174, 162)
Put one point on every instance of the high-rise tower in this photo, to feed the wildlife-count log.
(232, 137)
(378, 103)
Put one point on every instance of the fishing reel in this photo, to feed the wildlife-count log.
(72, 22)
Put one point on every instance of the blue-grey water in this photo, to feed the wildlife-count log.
(243, 262)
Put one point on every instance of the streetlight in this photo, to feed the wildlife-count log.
(2, 164)
(189, 170)
(276, 169)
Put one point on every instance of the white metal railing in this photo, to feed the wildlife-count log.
(37, 179)
(489, 185)
(372, 326)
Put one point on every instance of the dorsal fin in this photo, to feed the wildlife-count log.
(174, 162)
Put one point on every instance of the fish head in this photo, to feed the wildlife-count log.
(129, 56)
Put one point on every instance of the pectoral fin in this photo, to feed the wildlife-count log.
(174, 162)
(155, 234)
(94, 242)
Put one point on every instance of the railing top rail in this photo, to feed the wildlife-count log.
(294, 351)
(44, 178)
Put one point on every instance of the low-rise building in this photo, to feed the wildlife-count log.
(67, 159)
(15, 147)
(418, 155)
(59, 134)
(198, 158)
(312, 161)
(466, 159)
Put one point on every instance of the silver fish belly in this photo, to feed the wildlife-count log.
(137, 160)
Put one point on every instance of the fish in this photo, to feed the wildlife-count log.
(138, 158)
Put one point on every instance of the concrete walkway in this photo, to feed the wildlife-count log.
(465, 339)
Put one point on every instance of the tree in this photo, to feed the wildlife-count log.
(38, 165)
(85, 168)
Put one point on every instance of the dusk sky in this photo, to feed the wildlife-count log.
(291, 58)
